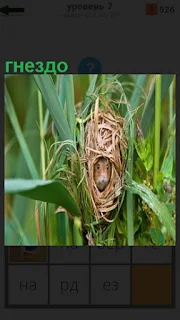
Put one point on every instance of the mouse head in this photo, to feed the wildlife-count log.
(102, 163)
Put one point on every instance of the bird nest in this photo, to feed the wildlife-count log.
(105, 137)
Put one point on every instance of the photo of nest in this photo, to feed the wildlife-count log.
(105, 146)
(90, 160)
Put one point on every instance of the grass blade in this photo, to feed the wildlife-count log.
(87, 100)
(20, 137)
(22, 207)
(15, 226)
(136, 95)
(129, 195)
(157, 129)
(134, 101)
(47, 191)
(50, 95)
(69, 92)
(62, 228)
(157, 207)
(77, 235)
(41, 127)
(149, 110)
(62, 92)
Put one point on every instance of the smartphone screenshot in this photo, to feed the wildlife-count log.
(89, 153)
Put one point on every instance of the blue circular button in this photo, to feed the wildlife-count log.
(90, 65)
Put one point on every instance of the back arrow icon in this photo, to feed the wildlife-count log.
(6, 10)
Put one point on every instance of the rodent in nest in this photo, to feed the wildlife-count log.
(105, 148)
(102, 173)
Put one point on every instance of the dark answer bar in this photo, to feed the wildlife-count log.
(88, 277)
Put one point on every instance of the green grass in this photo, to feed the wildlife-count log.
(157, 129)
(47, 199)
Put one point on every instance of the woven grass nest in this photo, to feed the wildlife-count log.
(105, 137)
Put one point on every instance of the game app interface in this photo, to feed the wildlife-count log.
(89, 107)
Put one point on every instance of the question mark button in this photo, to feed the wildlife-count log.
(90, 65)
